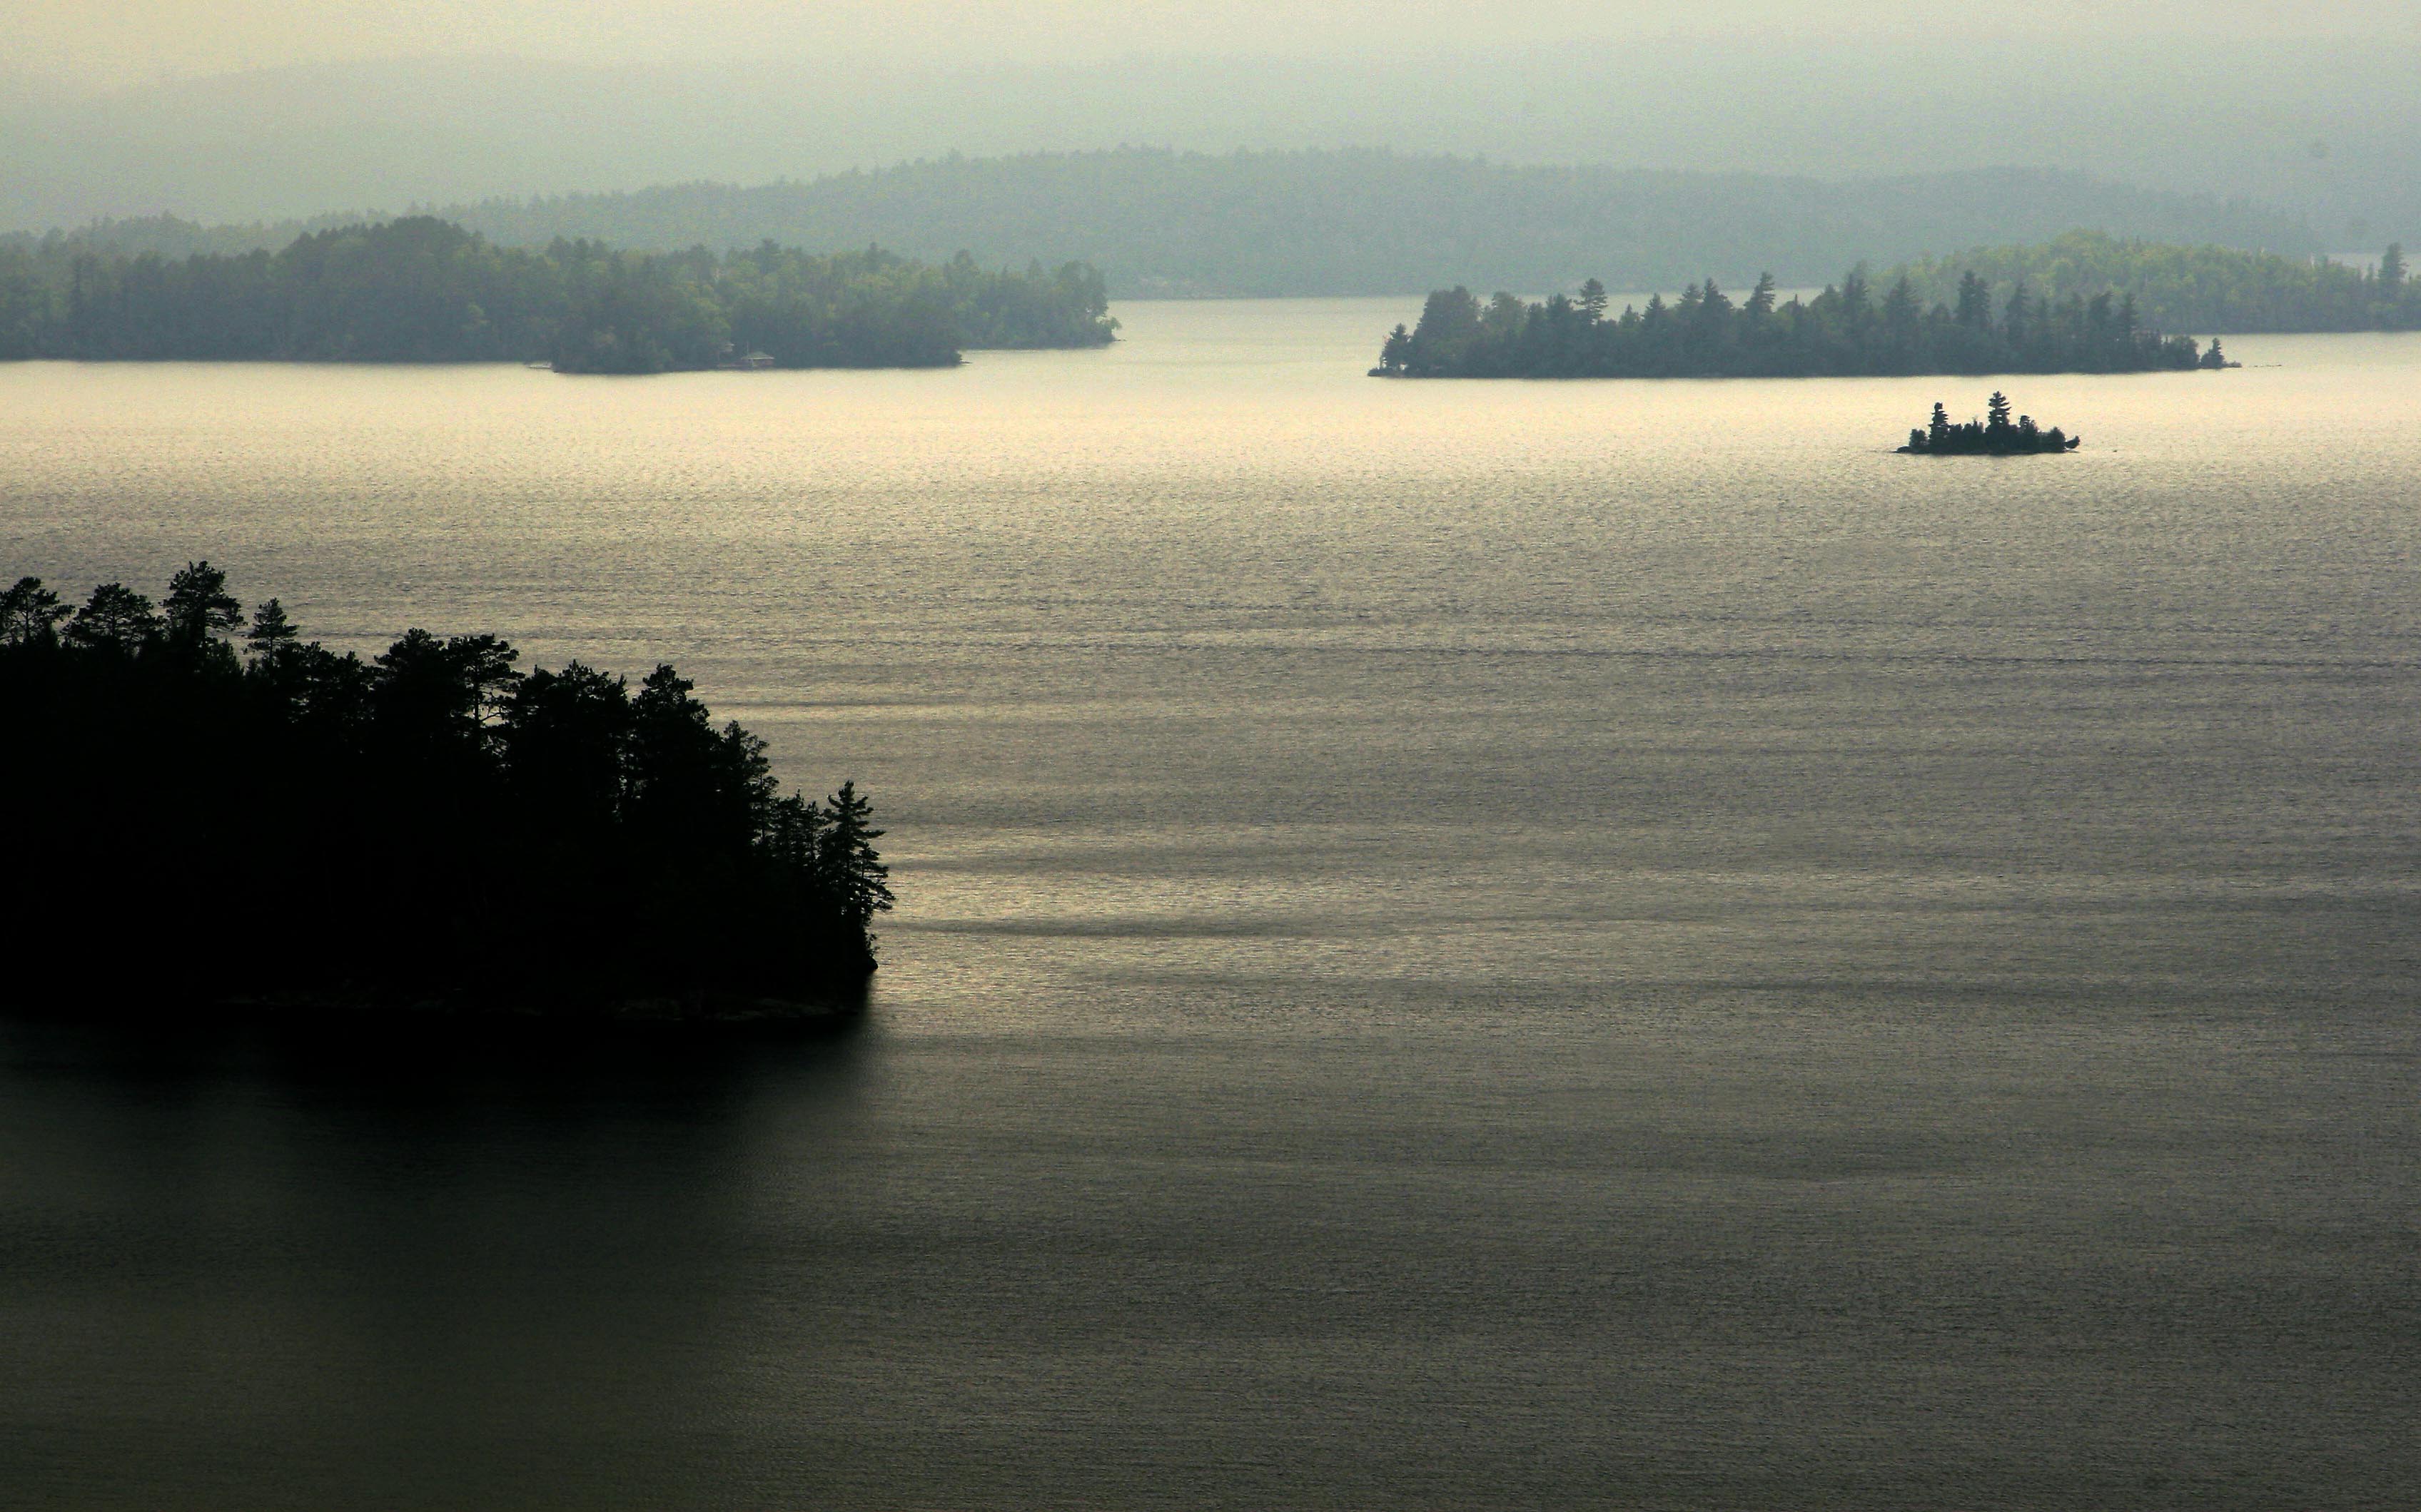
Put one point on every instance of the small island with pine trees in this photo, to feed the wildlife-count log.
(210, 816)
(1995, 435)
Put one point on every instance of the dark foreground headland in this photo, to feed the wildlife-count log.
(1843, 331)
(194, 826)
(1995, 435)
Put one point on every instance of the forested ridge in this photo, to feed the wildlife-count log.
(1846, 330)
(424, 289)
(235, 811)
(1161, 222)
(2191, 287)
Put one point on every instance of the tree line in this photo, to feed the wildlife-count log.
(2192, 287)
(423, 290)
(1846, 330)
(207, 805)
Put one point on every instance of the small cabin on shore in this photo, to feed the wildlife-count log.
(733, 360)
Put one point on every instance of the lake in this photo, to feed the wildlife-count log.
(1474, 946)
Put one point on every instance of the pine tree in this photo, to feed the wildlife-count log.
(115, 618)
(1761, 299)
(851, 868)
(30, 614)
(2017, 317)
(1974, 302)
(198, 604)
(270, 631)
(446, 693)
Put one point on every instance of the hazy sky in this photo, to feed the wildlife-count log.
(125, 40)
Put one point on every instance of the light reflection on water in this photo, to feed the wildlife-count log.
(1464, 944)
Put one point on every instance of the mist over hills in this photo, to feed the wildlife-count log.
(1330, 223)
(1314, 222)
(2319, 128)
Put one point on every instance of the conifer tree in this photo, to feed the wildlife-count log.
(1761, 299)
(30, 614)
(270, 631)
(2017, 319)
(115, 618)
(1974, 302)
(851, 869)
(198, 604)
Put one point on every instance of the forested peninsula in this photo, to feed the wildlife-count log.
(2190, 288)
(424, 289)
(206, 810)
(1844, 330)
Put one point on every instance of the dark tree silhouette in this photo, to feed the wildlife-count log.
(116, 619)
(30, 614)
(431, 824)
(567, 745)
(1760, 300)
(1994, 437)
(851, 869)
(270, 630)
(198, 604)
(435, 697)
(1974, 302)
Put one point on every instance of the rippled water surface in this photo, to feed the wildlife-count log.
(1463, 946)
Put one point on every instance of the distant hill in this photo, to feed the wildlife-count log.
(1345, 222)
(2320, 126)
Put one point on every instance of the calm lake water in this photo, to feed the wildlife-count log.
(1461, 945)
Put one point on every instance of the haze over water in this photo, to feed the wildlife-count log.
(1461, 945)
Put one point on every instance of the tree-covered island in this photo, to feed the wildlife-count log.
(1845, 331)
(422, 289)
(204, 811)
(1996, 435)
